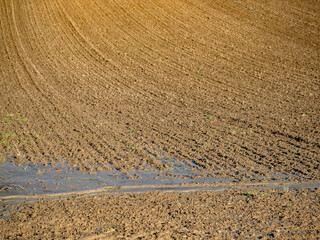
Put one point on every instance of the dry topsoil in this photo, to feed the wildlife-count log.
(226, 86)
(229, 87)
(234, 214)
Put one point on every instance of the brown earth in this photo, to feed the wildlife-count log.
(113, 82)
(228, 87)
(234, 214)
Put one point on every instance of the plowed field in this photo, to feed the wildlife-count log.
(228, 88)
(232, 86)
(228, 215)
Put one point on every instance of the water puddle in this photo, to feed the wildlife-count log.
(30, 182)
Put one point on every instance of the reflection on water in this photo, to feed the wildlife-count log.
(28, 180)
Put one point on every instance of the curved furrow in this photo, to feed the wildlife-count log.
(257, 57)
(11, 52)
(229, 85)
(30, 69)
(58, 136)
(89, 59)
(119, 81)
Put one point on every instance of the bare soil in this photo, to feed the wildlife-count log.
(120, 83)
(235, 214)
(226, 87)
